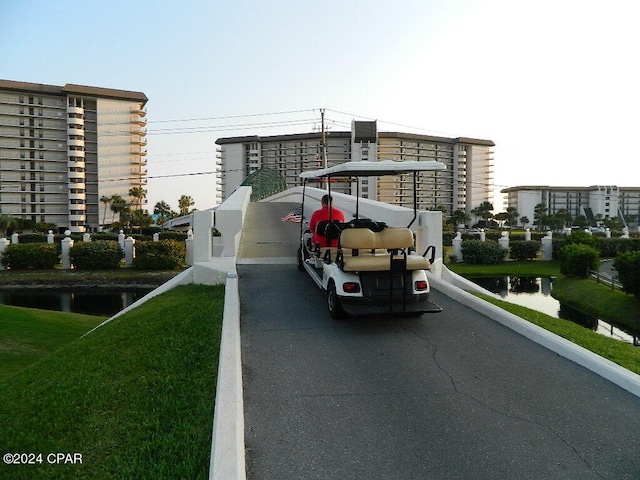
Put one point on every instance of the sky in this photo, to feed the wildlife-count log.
(554, 83)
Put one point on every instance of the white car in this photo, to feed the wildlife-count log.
(373, 270)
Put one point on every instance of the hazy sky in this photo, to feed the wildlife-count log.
(554, 83)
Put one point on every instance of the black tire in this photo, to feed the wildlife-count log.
(333, 302)
(300, 260)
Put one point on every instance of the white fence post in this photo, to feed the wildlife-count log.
(86, 237)
(50, 237)
(129, 251)
(189, 247)
(4, 243)
(457, 246)
(67, 243)
(504, 243)
(547, 247)
(121, 239)
(156, 237)
(15, 238)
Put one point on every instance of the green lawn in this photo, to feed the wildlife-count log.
(135, 398)
(517, 269)
(28, 335)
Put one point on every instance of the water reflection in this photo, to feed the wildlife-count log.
(96, 301)
(535, 293)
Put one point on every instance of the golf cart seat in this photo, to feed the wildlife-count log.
(379, 251)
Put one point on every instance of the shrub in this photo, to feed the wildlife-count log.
(97, 255)
(611, 247)
(168, 235)
(478, 252)
(524, 250)
(628, 267)
(30, 255)
(578, 259)
(33, 238)
(583, 238)
(162, 255)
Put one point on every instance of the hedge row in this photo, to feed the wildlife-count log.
(95, 255)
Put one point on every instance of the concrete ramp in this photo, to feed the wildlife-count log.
(265, 237)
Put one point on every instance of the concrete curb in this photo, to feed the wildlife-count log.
(601, 366)
(227, 446)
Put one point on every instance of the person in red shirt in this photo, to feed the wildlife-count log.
(326, 212)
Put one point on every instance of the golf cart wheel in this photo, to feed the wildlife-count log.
(333, 302)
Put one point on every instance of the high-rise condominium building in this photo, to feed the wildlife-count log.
(597, 201)
(465, 184)
(63, 149)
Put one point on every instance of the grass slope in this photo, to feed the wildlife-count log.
(135, 397)
(28, 335)
(598, 300)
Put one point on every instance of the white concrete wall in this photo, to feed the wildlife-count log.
(229, 219)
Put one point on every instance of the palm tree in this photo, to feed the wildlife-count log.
(6, 223)
(524, 220)
(118, 205)
(185, 203)
(459, 217)
(540, 215)
(484, 212)
(163, 210)
(138, 194)
(512, 216)
(106, 201)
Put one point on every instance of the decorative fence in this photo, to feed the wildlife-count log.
(127, 244)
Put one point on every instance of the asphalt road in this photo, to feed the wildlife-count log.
(445, 396)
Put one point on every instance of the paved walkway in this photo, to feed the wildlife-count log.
(446, 396)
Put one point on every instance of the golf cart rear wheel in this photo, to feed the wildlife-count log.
(333, 302)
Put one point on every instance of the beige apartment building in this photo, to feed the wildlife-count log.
(464, 185)
(63, 148)
(606, 201)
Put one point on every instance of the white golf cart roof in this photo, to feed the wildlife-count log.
(370, 169)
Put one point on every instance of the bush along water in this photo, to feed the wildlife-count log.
(478, 252)
(100, 255)
(39, 256)
(161, 255)
(524, 249)
(628, 267)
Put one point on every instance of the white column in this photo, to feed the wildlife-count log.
(4, 243)
(67, 243)
(429, 232)
(189, 247)
(129, 251)
(547, 247)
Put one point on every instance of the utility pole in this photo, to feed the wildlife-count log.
(324, 139)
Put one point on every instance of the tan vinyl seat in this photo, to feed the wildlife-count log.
(369, 250)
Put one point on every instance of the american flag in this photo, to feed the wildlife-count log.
(294, 216)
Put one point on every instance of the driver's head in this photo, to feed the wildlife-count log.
(326, 200)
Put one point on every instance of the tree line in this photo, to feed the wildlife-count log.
(129, 214)
(542, 220)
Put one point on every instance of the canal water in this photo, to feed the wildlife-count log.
(535, 293)
(101, 301)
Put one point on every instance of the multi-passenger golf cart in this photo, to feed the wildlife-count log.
(374, 269)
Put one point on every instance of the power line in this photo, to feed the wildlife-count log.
(230, 116)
